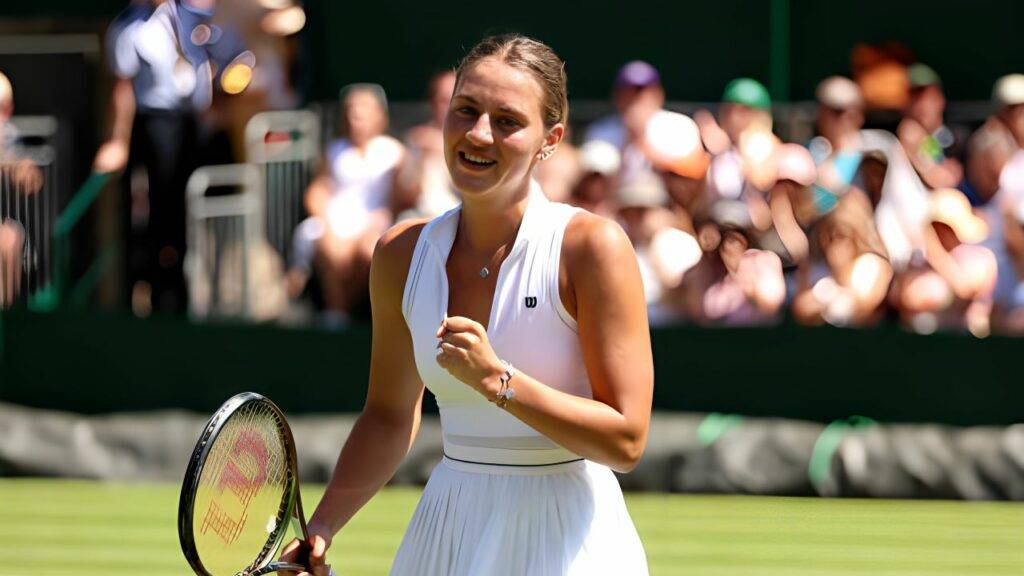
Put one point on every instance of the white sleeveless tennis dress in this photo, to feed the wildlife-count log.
(506, 500)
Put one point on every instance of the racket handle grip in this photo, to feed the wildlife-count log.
(277, 566)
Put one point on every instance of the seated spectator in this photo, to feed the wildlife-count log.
(839, 119)
(678, 156)
(951, 283)
(846, 279)
(595, 189)
(638, 94)
(745, 103)
(350, 204)
(643, 216)
(23, 172)
(24, 178)
(424, 180)
(995, 164)
(742, 147)
(848, 161)
(1005, 215)
(679, 159)
(931, 146)
(709, 265)
(732, 284)
(1002, 134)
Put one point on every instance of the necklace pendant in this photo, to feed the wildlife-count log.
(484, 272)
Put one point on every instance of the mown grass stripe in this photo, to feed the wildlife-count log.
(84, 528)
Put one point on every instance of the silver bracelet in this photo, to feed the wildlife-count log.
(505, 393)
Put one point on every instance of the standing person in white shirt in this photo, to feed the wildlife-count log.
(526, 319)
(163, 57)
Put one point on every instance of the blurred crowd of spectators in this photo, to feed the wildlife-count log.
(922, 224)
(732, 226)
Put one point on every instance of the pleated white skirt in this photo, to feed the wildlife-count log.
(560, 520)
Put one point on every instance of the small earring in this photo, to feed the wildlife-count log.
(547, 154)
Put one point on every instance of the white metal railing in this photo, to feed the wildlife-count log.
(285, 146)
(231, 269)
(28, 212)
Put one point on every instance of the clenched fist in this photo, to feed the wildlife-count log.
(465, 352)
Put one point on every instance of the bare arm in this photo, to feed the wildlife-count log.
(385, 430)
(113, 154)
(792, 236)
(318, 195)
(605, 294)
(945, 174)
(943, 263)
(406, 185)
(871, 277)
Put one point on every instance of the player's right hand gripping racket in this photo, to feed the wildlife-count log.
(241, 487)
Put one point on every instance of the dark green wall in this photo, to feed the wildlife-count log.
(969, 43)
(699, 45)
(103, 363)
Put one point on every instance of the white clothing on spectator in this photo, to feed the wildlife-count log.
(1008, 292)
(147, 52)
(361, 182)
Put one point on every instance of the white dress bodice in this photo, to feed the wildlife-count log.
(528, 327)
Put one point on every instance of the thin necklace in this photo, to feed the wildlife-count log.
(486, 271)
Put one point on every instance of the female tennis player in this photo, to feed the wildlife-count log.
(526, 319)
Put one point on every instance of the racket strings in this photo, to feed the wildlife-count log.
(244, 491)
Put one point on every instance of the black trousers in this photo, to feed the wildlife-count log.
(164, 143)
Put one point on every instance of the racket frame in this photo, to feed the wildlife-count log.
(186, 504)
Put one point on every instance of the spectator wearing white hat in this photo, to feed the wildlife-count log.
(595, 189)
(714, 275)
(840, 114)
(643, 215)
(673, 144)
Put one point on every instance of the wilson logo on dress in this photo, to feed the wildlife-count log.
(531, 301)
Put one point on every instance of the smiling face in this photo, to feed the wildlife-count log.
(494, 131)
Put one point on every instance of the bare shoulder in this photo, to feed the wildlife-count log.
(393, 254)
(598, 263)
(594, 240)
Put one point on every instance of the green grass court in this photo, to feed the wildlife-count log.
(57, 527)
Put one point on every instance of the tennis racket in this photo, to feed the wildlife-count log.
(241, 488)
